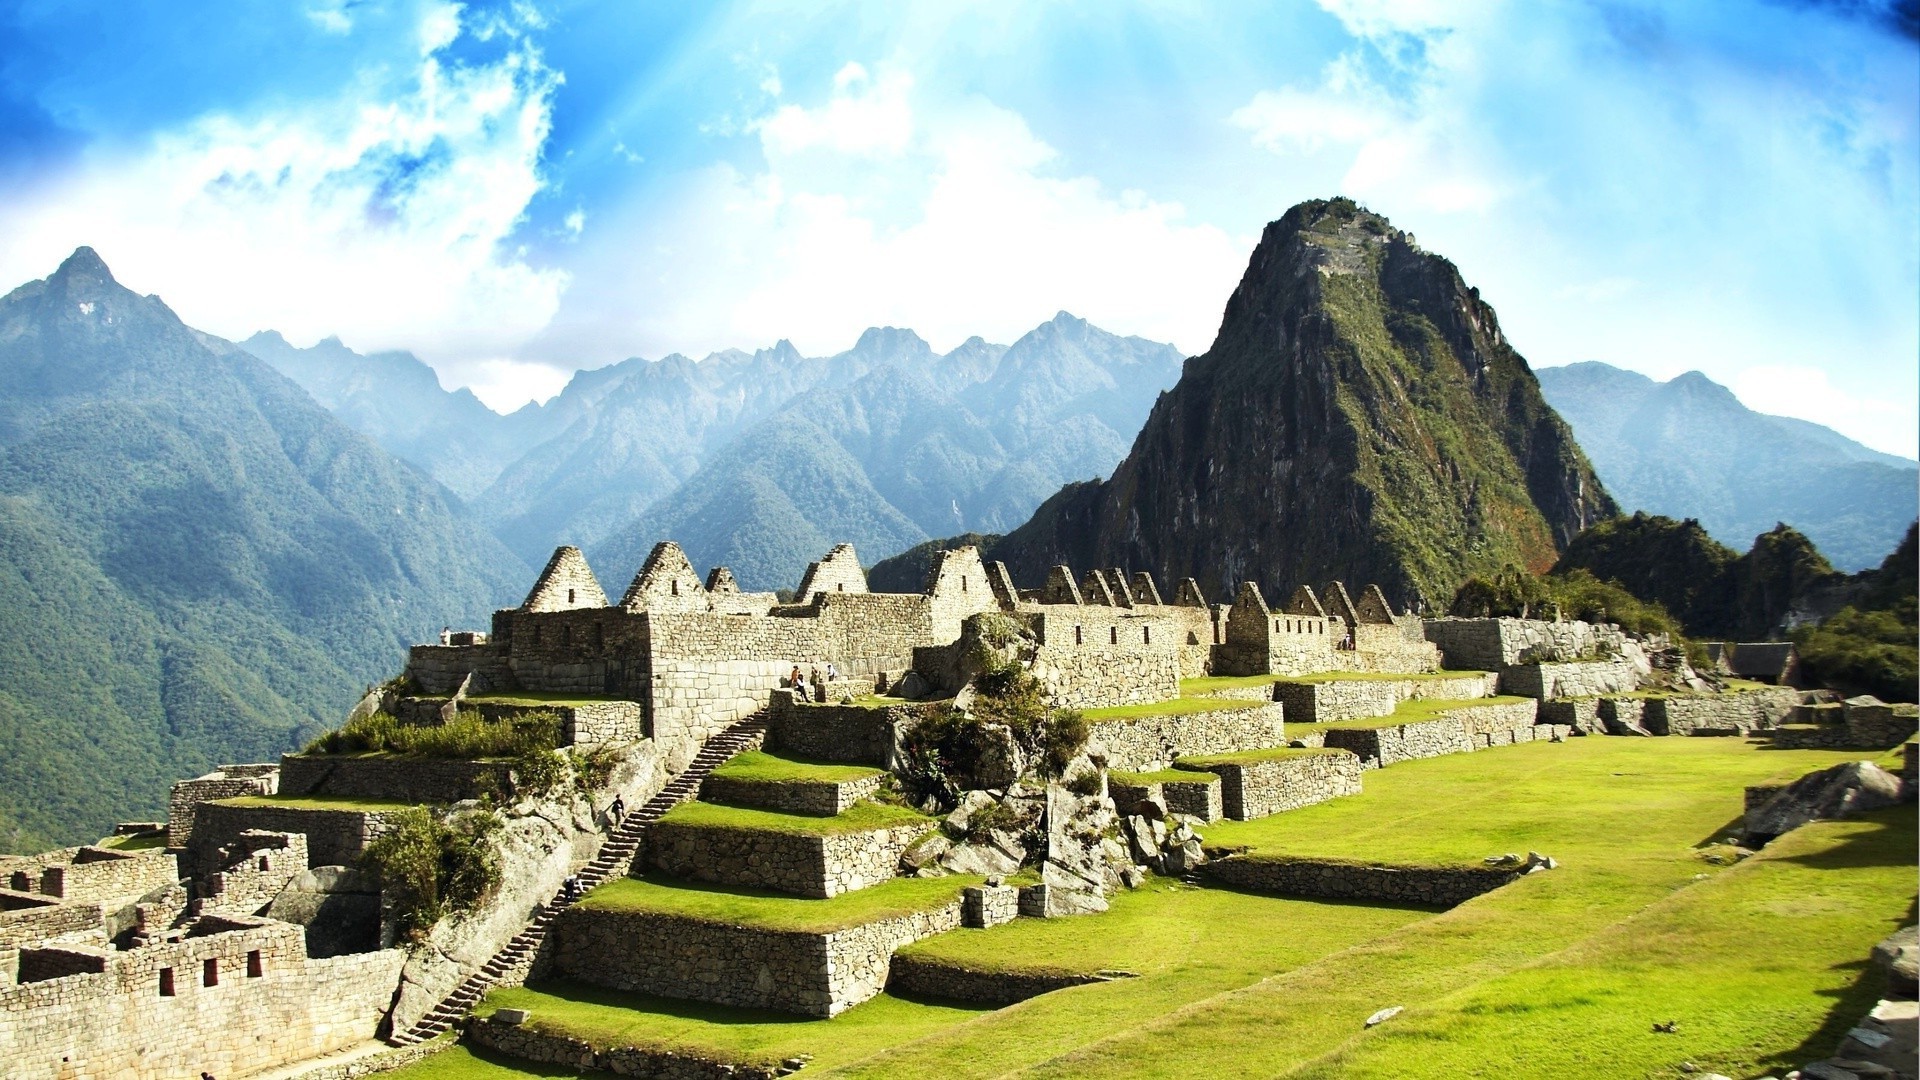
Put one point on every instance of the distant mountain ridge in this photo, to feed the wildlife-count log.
(900, 442)
(198, 563)
(1687, 448)
(1359, 416)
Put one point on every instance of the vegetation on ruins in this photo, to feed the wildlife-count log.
(431, 867)
(945, 754)
(760, 767)
(1756, 960)
(1869, 647)
(469, 736)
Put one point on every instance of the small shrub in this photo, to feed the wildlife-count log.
(539, 772)
(1085, 783)
(593, 768)
(430, 869)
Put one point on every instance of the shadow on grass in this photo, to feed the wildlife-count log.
(1735, 828)
(582, 994)
(523, 1066)
(1890, 843)
(1849, 1005)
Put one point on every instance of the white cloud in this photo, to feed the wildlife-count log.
(504, 385)
(382, 215)
(1808, 393)
(877, 207)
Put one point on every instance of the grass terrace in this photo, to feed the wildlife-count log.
(143, 842)
(760, 767)
(469, 736)
(736, 906)
(1207, 684)
(1762, 963)
(319, 802)
(1255, 757)
(1415, 711)
(860, 817)
(533, 699)
(1163, 776)
(881, 701)
(1181, 706)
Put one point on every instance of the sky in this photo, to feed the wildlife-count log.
(514, 191)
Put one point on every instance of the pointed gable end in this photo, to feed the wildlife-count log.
(1093, 589)
(1304, 602)
(1373, 607)
(666, 583)
(1060, 588)
(1189, 594)
(1144, 590)
(566, 584)
(838, 571)
(720, 580)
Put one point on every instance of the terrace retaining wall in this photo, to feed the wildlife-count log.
(1145, 743)
(1336, 879)
(1259, 788)
(804, 865)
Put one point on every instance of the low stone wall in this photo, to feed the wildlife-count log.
(1732, 713)
(1564, 680)
(92, 874)
(372, 1064)
(1354, 699)
(1340, 879)
(1811, 737)
(941, 980)
(1874, 725)
(1624, 715)
(528, 1043)
(226, 782)
(821, 798)
(1194, 798)
(334, 837)
(812, 974)
(847, 733)
(1145, 743)
(1382, 746)
(1582, 715)
(815, 866)
(582, 723)
(1500, 724)
(1259, 788)
(1496, 644)
(983, 906)
(440, 669)
(406, 779)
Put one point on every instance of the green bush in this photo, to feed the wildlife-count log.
(943, 752)
(1865, 652)
(469, 736)
(431, 868)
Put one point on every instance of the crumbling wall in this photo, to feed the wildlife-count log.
(225, 782)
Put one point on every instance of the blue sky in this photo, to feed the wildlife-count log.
(514, 191)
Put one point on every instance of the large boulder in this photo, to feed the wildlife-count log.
(339, 906)
(1850, 788)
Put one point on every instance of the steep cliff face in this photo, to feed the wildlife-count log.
(1359, 416)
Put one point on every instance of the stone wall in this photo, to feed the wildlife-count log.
(257, 869)
(1254, 789)
(1145, 743)
(812, 974)
(1496, 644)
(529, 1042)
(1378, 747)
(801, 864)
(1353, 699)
(567, 583)
(1580, 714)
(821, 798)
(1386, 647)
(1199, 798)
(846, 733)
(1499, 723)
(1092, 656)
(837, 571)
(440, 669)
(1566, 680)
(1875, 725)
(92, 875)
(926, 977)
(1735, 712)
(406, 779)
(1339, 879)
(119, 1022)
(226, 782)
(334, 837)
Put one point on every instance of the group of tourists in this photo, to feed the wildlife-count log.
(805, 683)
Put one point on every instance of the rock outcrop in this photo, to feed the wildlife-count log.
(1360, 416)
(1853, 787)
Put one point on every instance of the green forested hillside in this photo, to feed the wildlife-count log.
(197, 562)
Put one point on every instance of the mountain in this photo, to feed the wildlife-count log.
(397, 401)
(198, 563)
(900, 443)
(1688, 448)
(1359, 416)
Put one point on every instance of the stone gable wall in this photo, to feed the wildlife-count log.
(1144, 743)
(118, 1024)
(565, 584)
(812, 866)
(334, 837)
(440, 669)
(1328, 879)
(838, 571)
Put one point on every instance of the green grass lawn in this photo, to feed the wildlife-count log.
(134, 843)
(735, 906)
(1414, 711)
(1163, 776)
(760, 767)
(879, 701)
(1559, 974)
(1171, 707)
(1253, 757)
(318, 802)
(859, 817)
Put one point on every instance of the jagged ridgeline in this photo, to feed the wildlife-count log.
(1360, 416)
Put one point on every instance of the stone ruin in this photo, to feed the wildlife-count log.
(248, 939)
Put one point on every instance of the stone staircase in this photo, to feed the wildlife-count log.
(614, 859)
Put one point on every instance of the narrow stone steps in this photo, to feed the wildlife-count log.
(614, 858)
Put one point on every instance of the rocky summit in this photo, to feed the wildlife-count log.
(1360, 416)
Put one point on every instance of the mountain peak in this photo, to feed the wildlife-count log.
(893, 340)
(84, 263)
